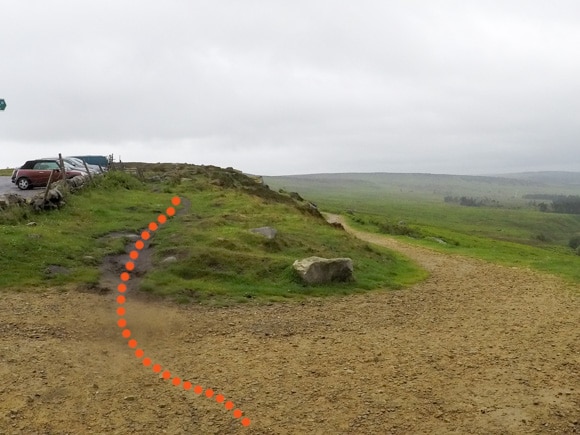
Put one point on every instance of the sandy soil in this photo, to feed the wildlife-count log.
(476, 348)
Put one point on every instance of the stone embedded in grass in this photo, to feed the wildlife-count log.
(317, 270)
(438, 240)
(268, 232)
(54, 270)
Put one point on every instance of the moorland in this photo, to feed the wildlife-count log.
(462, 317)
(509, 219)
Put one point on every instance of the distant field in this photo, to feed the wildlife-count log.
(512, 232)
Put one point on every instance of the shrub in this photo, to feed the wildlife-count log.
(15, 214)
(542, 237)
(119, 179)
(574, 242)
(398, 229)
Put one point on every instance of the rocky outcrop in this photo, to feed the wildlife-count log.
(317, 270)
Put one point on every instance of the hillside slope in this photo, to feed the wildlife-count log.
(214, 257)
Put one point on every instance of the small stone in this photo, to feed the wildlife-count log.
(31, 224)
(53, 270)
(171, 259)
(267, 232)
(129, 398)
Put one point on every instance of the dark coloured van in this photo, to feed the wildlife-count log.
(101, 161)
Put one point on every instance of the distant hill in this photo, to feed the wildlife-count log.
(557, 178)
(429, 185)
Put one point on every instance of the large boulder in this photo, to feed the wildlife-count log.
(317, 270)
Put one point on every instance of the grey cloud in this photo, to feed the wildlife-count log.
(295, 87)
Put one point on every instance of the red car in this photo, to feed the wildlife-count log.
(35, 173)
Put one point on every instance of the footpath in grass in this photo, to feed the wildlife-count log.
(555, 259)
(514, 232)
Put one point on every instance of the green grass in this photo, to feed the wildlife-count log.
(515, 234)
(219, 260)
(6, 172)
(69, 237)
(558, 260)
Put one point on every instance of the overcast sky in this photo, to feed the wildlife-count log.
(296, 86)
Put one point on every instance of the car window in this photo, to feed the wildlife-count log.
(45, 166)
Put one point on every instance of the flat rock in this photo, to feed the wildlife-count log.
(267, 232)
(54, 270)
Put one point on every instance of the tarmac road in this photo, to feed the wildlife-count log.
(6, 186)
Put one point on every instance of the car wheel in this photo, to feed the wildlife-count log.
(23, 183)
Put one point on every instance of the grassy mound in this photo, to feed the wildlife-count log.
(217, 258)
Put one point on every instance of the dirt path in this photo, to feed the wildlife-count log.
(476, 348)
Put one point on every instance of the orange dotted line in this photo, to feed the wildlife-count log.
(126, 333)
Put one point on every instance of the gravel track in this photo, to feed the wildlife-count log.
(476, 348)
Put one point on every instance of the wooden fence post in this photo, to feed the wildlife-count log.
(62, 168)
(89, 173)
(47, 187)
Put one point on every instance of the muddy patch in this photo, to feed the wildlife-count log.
(113, 265)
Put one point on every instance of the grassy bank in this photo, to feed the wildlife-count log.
(71, 237)
(218, 260)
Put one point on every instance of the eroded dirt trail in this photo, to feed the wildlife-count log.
(476, 348)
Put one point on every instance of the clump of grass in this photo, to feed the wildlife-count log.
(16, 214)
(398, 229)
(114, 180)
(574, 242)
